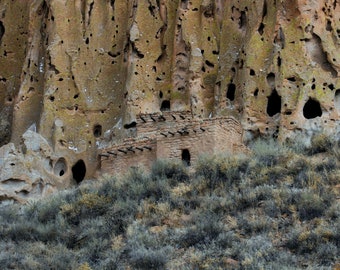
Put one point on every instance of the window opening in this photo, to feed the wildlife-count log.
(186, 157)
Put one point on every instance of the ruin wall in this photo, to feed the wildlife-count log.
(133, 152)
(186, 139)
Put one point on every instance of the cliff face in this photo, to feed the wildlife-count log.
(77, 71)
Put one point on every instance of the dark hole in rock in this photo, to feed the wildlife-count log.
(60, 168)
(271, 79)
(243, 19)
(329, 26)
(274, 103)
(231, 91)
(337, 100)
(165, 106)
(256, 92)
(252, 72)
(312, 109)
(261, 29)
(131, 125)
(186, 157)
(112, 3)
(279, 61)
(209, 64)
(97, 131)
(2, 30)
(79, 171)
(160, 94)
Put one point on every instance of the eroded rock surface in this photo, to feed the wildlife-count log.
(81, 70)
(31, 169)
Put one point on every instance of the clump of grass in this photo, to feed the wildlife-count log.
(221, 171)
(310, 205)
(320, 143)
(174, 171)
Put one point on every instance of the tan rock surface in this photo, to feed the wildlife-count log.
(79, 70)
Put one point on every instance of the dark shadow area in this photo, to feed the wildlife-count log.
(312, 109)
(2, 30)
(165, 106)
(231, 91)
(274, 104)
(79, 171)
(186, 157)
(97, 131)
(131, 125)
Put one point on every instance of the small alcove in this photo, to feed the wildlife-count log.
(97, 131)
(60, 168)
(79, 171)
(165, 106)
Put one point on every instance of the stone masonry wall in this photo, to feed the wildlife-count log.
(119, 158)
(180, 138)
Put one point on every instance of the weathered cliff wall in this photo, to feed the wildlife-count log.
(77, 71)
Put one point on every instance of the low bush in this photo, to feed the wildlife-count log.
(174, 171)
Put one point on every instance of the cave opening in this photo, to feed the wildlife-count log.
(165, 106)
(97, 131)
(274, 103)
(60, 168)
(79, 171)
(312, 109)
(186, 157)
(231, 91)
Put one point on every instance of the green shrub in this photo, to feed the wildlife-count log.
(174, 171)
(205, 229)
(145, 258)
(326, 254)
(256, 252)
(221, 171)
(310, 206)
(254, 224)
(267, 152)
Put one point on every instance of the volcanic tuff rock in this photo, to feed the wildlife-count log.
(79, 70)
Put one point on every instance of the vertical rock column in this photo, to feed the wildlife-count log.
(14, 37)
